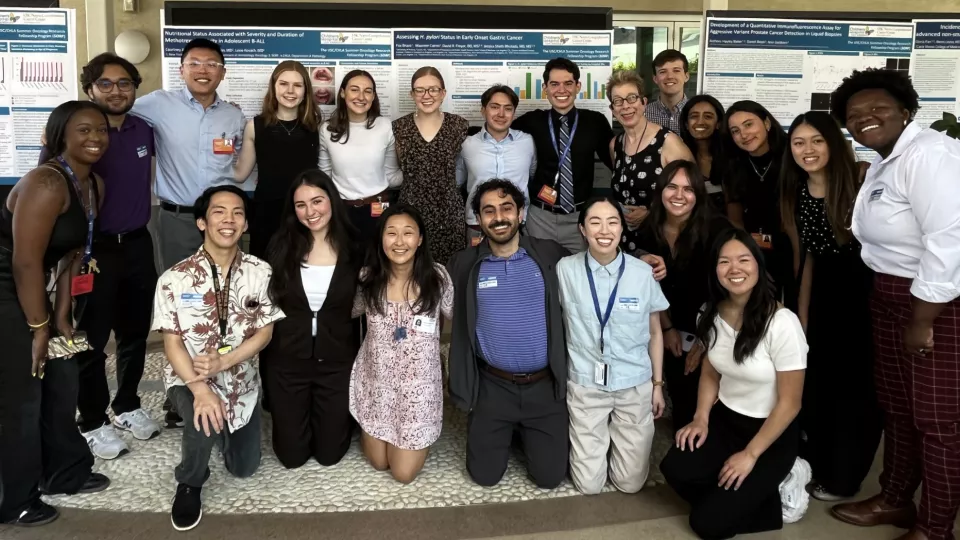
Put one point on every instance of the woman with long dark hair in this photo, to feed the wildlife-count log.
(754, 147)
(47, 223)
(700, 129)
(358, 151)
(681, 228)
(281, 142)
(396, 391)
(730, 461)
(315, 267)
(819, 186)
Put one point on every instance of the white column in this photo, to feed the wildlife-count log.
(100, 32)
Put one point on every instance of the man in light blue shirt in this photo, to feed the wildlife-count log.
(495, 152)
(197, 135)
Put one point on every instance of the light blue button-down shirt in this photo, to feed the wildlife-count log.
(626, 337)
(482, 158)
(184, 133)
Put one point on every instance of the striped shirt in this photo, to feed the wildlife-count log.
(658, 113)
(511, 313)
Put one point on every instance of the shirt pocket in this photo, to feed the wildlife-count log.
(222, 160)
(630, 334)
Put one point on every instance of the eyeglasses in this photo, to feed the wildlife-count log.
(106, 85)
(631, 99)
(197, 65)
(434, 91)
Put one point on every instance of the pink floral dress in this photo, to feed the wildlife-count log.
(396, 388)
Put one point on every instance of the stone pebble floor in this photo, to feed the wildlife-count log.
(142, 481)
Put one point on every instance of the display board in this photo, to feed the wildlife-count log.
(935, 68)
(38, 72)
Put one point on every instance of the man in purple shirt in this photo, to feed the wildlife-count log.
(122, 296)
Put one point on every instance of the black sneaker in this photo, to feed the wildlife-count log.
(37, 514)
(173, 420)
(187, 508)
(95, 483)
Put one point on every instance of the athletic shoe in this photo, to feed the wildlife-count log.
(139, 423)
(794, 498)
(105, 443)
(818, 492)
(37, 514)
(95, 483)
(187, 508)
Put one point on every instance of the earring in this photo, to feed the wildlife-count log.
(904, 122)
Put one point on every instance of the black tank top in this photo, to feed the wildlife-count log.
(284, 150)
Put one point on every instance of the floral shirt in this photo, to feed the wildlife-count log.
(186, 305)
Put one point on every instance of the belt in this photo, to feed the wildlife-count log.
(379, 197)
(122, 238)
(555, 208)
(175, 208)
(517, 378)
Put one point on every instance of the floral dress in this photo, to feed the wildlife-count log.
(635, 179)
(396, 388)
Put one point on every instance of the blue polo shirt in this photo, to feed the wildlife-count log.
(512, 314)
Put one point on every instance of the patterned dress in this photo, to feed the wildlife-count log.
(635, 179)
(396, 389)
(430, 181)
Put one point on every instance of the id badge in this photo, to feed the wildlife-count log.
(600, 371)
(427, 325)
(548, 195)
(224, 350)
(377, 208)
(764, 241)
(81, 284)
(223, 146)
(475, 241)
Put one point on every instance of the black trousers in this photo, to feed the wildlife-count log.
(683, 389)
(266, 221)
(311, 411)
(40, 447)
(716, 513)
(531, 409)
(121, 301)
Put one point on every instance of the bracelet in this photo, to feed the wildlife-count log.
(41, 325)
(657, 383)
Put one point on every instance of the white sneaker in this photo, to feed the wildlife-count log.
(794, 498)
(105, 443)
(139, 423)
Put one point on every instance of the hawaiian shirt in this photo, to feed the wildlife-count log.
(186, 305)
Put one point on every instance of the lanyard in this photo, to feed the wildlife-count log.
(88, 247)
(556, 147)
(596, 302)
(223, 300)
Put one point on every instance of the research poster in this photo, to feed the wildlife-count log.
(935, 68)
(792, 66)
(38, 72)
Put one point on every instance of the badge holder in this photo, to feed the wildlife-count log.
(378, 207)
(764, 241)
(223, 145)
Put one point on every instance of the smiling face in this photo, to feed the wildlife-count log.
(116, 100)
(809, 148)
(428, 94)
(226, 220)
(498, 114)
(678, 196)
(86, 136)
(202, 70)
(737, 269)
(670, 78)
(702, 121)
(749, 132)
(499, 216)
(289, 89)
(312, 206)
(401, 238)
(561, 90)
(628, 114)
(602, 229)
(876, 120)
(358, 93)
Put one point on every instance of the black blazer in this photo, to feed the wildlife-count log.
(338, 335)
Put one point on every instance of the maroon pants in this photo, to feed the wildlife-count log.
(921, 398)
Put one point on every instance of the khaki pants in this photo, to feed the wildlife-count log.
(621, 422)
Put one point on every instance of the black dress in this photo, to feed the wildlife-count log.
(634, 178)
(284, 150)
(40, 446)
(840, 414)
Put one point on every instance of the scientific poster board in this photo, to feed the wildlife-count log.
(935, 68)
(38, 72)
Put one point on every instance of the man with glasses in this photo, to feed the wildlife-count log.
(122, 297)
(198, 137)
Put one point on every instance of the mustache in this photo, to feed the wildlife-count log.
(496, 224)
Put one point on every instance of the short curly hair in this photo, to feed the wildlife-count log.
(896, 83)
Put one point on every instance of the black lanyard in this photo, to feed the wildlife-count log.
(223, 300)
(596, 301)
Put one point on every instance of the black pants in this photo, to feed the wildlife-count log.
(121, 301)
(534, 411)
(266, 221)
(311, 404)
(683, 389)
(365, 224)
(40, 446)
(717, 513)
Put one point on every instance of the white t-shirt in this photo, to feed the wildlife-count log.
(366, 164)
(316, 283)
(750, 388)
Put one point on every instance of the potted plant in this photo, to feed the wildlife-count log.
(947, 125)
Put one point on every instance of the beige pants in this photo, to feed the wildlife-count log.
(621, 422)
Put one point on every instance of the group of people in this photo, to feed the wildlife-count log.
(808, 312)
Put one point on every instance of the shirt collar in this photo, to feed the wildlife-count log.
(129, 122)
(611, 268)
(570, 114)
(678, 106)
(201, 258)
(906, 138)
(486, 136)
(188, 97)
(521, 253)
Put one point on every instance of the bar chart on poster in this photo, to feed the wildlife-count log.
(38, 72)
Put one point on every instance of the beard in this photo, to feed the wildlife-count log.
(488, 231)
(109, 109)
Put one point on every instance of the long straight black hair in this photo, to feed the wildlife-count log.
(716, 140)
(759, 310)
(339, 124)
(290, 245)
(376, 273)
(738, 164)
(696, 227)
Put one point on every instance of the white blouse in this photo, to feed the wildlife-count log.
(366, 164)
(316, 284)
(907, 214)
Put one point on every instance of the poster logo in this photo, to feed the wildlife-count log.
(354, 38)
(888, 32)
(589, 40)
(13, 17)
(33, 17)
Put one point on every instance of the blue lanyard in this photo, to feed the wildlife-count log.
(556, 147)
(88, 248)
(596, 301)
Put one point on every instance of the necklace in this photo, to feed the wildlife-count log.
(289, 131)
(765, 170)
(640, 140)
